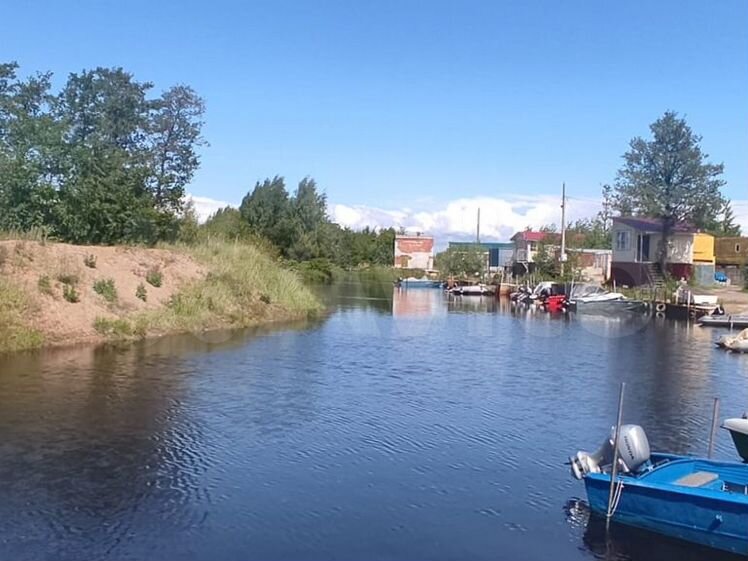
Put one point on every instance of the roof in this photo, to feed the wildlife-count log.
(649, 224)
(413, 236)
(532, 236)
(484, 245)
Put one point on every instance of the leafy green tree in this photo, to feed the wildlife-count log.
(30, 141)
(103, 195)
(269, 212)
(461, 261)
(669, 177)
(174, 134)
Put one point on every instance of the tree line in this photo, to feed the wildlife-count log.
(298, 227)
(100, 161)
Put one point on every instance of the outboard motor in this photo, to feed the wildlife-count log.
(633, 452)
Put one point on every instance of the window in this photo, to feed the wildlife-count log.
(623, 242)
(737, 248)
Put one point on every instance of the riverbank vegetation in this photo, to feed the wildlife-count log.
(202, 286)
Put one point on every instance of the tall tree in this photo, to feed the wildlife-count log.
(174, 136)
(104, 194)
(309, 205)
(669, 177)
(725, 224)
(268, 212)
(30, 140)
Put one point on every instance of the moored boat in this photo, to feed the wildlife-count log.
(694, 499)
(737, 343)
(738, 429)
(596, 300)
(473, 290)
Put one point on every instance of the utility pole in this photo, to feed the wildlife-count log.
(477, 231)
(563, 226)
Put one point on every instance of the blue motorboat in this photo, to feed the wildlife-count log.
(694, 499)
(412, 282)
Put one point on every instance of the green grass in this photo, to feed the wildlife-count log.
(15, 308)
(154, 277)
(106, 289)
(243, 287)
(141, 292)
(118, 328)
(45, 285)
(70, 293)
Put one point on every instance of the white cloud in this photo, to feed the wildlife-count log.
(205, 206)
(500, 217)
(455, 220)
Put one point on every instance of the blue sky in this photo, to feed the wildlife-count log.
(410, 107)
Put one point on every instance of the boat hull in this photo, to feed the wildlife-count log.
(609, 307)
(697, 518)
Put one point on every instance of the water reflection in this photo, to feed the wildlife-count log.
(406, 424)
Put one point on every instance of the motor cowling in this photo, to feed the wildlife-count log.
(633, 452)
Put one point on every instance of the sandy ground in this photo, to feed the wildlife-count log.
(63, 322)
(733, 298)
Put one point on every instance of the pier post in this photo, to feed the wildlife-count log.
(713, 432)
(614, 469)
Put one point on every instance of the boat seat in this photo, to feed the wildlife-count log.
(697, 479)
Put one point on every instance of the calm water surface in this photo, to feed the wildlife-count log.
(404, 426)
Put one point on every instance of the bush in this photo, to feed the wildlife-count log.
(45, 285)
(70, 294)
(141, 292)
(15, 309)
(154, 277)
(106, 289)
(70, 279)
(113, 327)
(90, 261)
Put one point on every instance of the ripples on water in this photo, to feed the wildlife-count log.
(404, 426)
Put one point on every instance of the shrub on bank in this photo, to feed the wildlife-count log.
(15, 308)
(106, 289)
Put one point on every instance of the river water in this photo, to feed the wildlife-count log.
(405, 425)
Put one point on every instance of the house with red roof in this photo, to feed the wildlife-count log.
(526, 245)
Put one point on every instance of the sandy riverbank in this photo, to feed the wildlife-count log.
(59, 294)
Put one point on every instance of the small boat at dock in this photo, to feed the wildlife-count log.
(694, 499)
(412, 282)
(593, 299)
(737, 343)
(738, 429)
(473, 290)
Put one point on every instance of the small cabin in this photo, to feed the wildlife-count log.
(637, 243)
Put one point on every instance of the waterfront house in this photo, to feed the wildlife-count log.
(526, 245)
(637, 242)
(414, 252)
(497, 255)
(731, 256)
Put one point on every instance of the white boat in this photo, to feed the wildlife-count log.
(472, 290)
(590, 299)
(737, 343)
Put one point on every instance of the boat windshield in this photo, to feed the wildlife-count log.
(585, 290)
